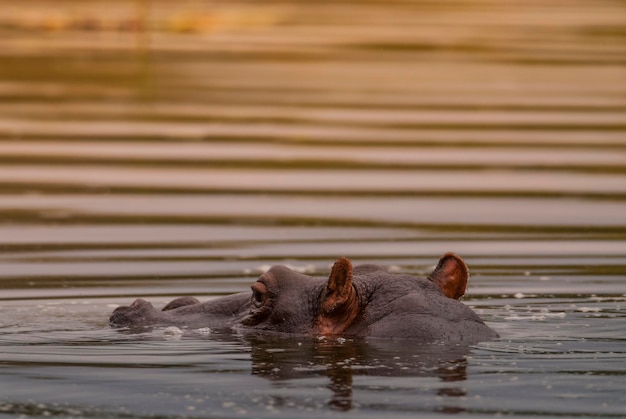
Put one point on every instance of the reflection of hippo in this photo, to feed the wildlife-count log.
(364, 301)
(284, 359)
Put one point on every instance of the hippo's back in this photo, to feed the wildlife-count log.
(420, 311)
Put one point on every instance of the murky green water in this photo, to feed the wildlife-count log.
(187, 159)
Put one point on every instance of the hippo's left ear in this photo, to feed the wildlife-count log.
(339, 304)
(451, 275)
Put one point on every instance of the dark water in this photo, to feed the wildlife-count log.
(227, 137)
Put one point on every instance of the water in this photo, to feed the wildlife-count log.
(188, 158)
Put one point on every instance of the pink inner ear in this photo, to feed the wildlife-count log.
(339, 306)
(340, 280)
(451, 275)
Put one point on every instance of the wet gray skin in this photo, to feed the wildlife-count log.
(362, 301)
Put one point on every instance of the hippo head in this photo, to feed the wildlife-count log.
(365, 300)
(289, 302)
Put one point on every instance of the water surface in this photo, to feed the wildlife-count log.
(188, 158)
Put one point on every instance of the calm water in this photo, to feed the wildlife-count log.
(188, 158)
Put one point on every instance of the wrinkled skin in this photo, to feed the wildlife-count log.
(362, 301)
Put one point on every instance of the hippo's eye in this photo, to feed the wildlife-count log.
(258, 297)
(258, 294)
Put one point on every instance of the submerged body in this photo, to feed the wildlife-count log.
(362, 301)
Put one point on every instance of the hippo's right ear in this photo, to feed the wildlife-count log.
(339, 305)
(451, 275)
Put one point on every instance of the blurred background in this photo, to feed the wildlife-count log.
(175, 133)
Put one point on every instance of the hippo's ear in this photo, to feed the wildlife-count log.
(451, 275)
(338, 305)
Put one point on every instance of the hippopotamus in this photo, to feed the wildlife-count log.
(361, 301)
